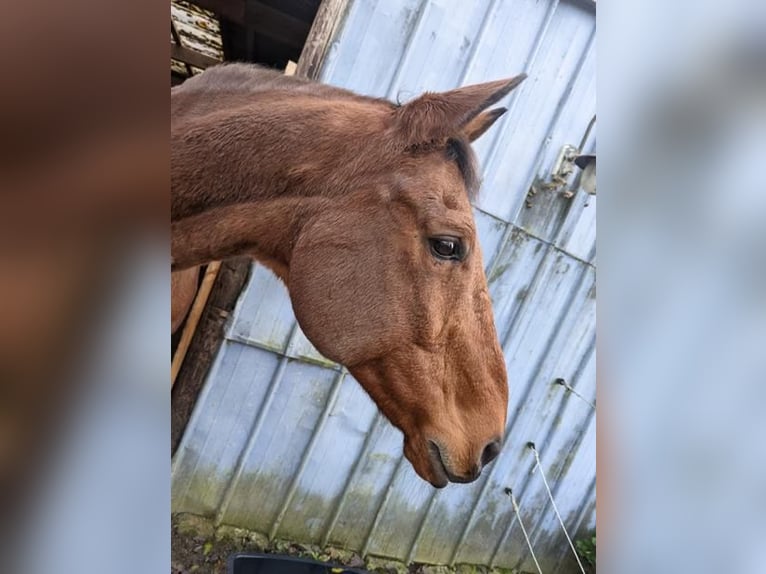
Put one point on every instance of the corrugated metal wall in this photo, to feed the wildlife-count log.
(284, 442)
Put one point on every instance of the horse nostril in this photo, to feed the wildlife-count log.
(490, 452)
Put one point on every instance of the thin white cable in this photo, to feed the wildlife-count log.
(569, 388)
(555, 508)
(509, 492)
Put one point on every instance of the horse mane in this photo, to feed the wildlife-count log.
(243, 79)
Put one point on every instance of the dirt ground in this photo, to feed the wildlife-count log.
(197, 553)
(198, 547)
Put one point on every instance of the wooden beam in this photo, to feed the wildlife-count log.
(326, 24)
(191, 57)
(261, 18)
(275, 24)
(233, 10)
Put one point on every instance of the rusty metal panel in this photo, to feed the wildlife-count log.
(285, 442)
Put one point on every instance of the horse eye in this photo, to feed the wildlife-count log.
(446, 248)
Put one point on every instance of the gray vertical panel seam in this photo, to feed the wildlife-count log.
(421, 526)
(371, 433)
(379, 513)
(422, 9)
(329, 404)
(196, 412)
(488, 14)
(198, 409)
(529, 62)
(592, 254)
(254, 431)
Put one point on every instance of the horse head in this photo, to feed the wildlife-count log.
(388, 279)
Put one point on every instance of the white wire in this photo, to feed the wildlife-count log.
(555, 509)
(569, 388)
(523, 530)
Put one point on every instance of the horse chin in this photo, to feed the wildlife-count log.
(436, 475)
(439, 477)
(428, 467)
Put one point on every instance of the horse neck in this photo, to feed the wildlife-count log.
(245, 179)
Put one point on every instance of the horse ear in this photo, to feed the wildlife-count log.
(481, 123)
(435, 116)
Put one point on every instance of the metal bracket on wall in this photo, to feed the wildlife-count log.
(559, 178)
(563, 168)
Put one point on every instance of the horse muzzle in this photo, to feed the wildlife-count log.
(443, 472)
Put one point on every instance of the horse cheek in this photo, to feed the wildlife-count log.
(338, 300)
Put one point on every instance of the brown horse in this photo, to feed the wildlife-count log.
(362, 208)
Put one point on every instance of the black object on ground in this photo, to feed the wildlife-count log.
(276, 564)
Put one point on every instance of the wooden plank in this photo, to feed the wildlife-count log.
(206, 343)
(193, 318)
(326, 24)
(188, 56)
(177, 40)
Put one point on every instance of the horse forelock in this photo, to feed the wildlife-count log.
(456, 149)
(460, 151)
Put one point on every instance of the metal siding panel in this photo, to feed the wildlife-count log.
(570, 486)
(337, 448)
(512, 275)
(571, 357)
(576, 109)
(298, 399)
(263, 315)
(374, 40)
(440, 48)
(368, 487)
(585, 527)
(284, 443)
(508, 46)
(399, 518)
(219, 427)
(549, 208)
(578, 232)
(491, 232)
(512, 166)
